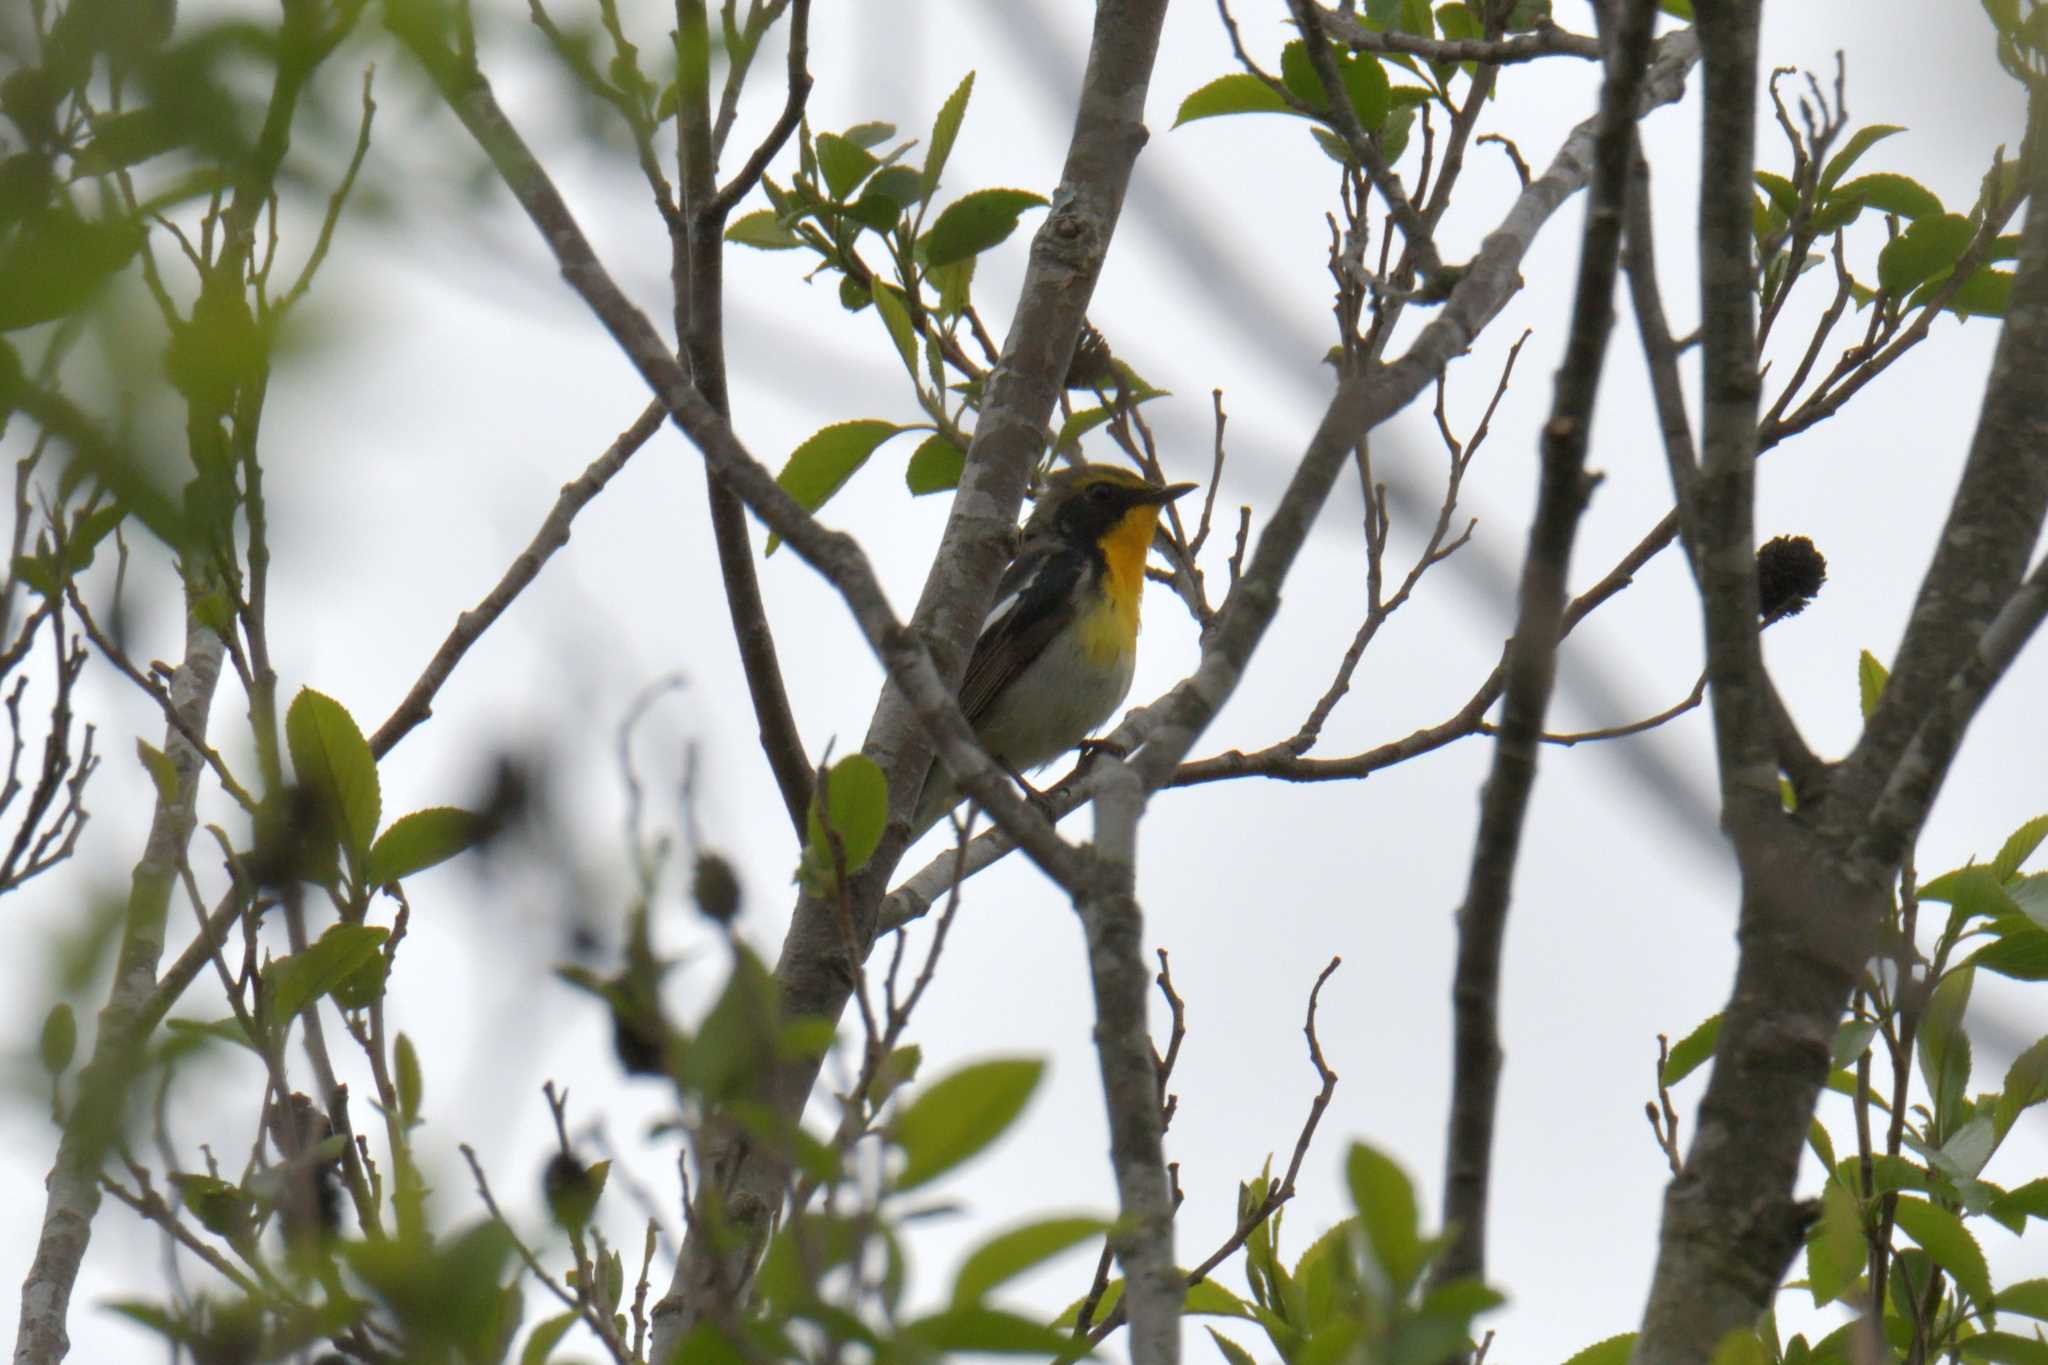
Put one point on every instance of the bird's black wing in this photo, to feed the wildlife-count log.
(1030, 608)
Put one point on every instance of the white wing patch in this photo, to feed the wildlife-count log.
(1003, 607)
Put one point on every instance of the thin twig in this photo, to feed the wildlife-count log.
(1277, 1195)
(1532, 662)
(553, 534)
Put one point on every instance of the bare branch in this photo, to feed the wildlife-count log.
(1421, 246)
(1545, 40)
(125, 1022)
(553, 534)
(1277, 1195)
(1532, 659)
(1114, 926)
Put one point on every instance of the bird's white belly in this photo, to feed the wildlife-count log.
(1067, 696)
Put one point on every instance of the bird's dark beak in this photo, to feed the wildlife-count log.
(1159, 497)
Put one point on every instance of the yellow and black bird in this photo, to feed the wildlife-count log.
(1055, 657)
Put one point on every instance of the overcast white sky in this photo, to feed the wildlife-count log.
(458, 384)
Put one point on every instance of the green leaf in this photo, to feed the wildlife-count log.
(1965, 1151)
(122, 140)
(59, 1040)
(1887, 1173)
(1325, 1276)
(1009, 1254)
(1692, 1050)
(1941, 1235)
(56, 261)
(546, 1334)
(857, 794)
(418, 841)
(844, 164)
(958, 1115)
(1334, 147)
(364, 986)
(958, 1330)
(1739, 1346)
(1104, 1306)
(734, 1050)
(1942, 1047)
(1386, 1209)
(222, 1208)
(440, 1295)
(1394, 132)
(191, 1034)
(1366, 85)
(1079, 424)
(2026, 1201)
(821, 466)
(1233, 1354)
(1781, 191)
(870, 134)
(1986, 294)
(2018, 847)
(2026, 1085)
(955, 284)
(1860, 141)
(1211, 1299)
(1930, 246)
(2021, 954)
(935, 465)
(1888, 193)
(1461, 1300)
(1238, 93)
(297, 981)
(1818, 1139)
(975, 222)
(1852, 1038)
(897, 187)
(2028, 1298)
(1613, 1351)
(763, 228)
(411, 1086)
(1298, 74)
(1764, 220)
(1870, 680)
(333, 760)
(2004, 1348)
(896, 317)
(1976, 892)
(2030, 895)
(162, 772)
(1457, 22)
(945, 130)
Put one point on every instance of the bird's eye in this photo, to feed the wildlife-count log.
(1101, 492)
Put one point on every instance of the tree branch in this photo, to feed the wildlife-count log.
(1066, 258)
(125, 1022)
(1545, 40)
(1115, 929)
(553, 534)
(1532, 660)
(1993, 526)
(1363, 401)
(698, 276)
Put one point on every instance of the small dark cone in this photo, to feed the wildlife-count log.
(1789, 572)
(570, 1191)
(716, 888)
(1092, 367)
